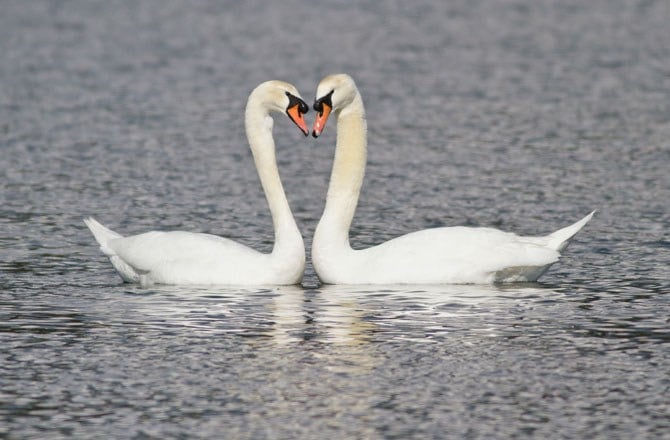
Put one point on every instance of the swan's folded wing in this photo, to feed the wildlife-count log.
(155, 250)
(522, 251)
(457, 254)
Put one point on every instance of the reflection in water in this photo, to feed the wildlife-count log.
(332, 314)
(291, 321)
(326, 351)
(432, 306)
(343, 322)
(331, 318)
(341, 326)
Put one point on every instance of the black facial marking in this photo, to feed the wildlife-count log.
(294, 100)
(326, 99)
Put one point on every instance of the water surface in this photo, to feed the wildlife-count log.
(521, 116)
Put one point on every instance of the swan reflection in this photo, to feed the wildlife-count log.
(333, 315)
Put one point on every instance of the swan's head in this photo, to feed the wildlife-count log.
(282, 97)
(333, 93)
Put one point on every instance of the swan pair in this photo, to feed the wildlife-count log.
(432, 256)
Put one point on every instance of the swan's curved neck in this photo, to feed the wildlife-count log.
(346, 177)
(259, 133)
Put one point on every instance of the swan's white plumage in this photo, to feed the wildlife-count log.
(431, 256)
(104, 236)
(178, 257)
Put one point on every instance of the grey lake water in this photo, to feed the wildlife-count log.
(520, 115)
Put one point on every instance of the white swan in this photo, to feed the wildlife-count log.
(432, 256)
(192, 258)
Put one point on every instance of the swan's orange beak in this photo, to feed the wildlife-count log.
(321, 119)
(323, 106)
(295, 109)
(296, 115)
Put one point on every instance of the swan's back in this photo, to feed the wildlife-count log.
(452, 255)
(178, 257)
(455, 255)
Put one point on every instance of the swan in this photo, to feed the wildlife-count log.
(186, 258)
(447, 255)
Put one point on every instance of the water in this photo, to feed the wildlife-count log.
(518, 115)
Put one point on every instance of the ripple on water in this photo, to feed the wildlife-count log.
(132, 112)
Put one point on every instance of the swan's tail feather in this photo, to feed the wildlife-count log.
(559, 240)
(102, 234)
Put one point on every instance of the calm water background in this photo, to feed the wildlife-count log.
(513, 114)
